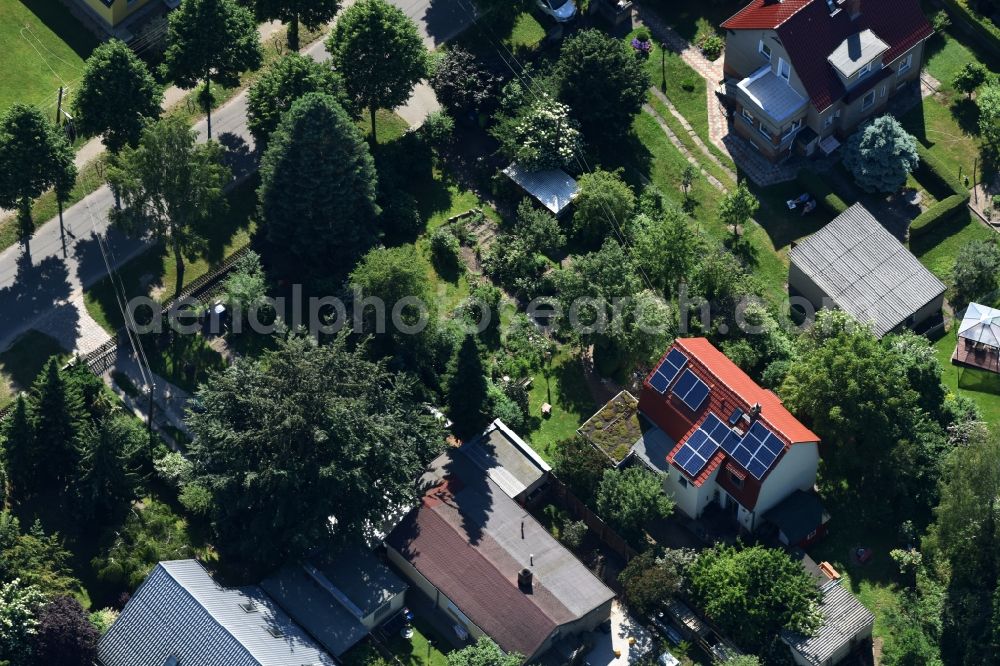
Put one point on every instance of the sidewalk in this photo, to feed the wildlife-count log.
(169, 401)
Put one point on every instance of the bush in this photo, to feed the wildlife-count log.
(573, 534)
(400, 213)
(445, 250)
(819, 188)
(940, 20)
(985, 32)
(936, 214)
(438, 129)
(712, 47)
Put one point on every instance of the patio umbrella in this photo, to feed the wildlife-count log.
(981, 324)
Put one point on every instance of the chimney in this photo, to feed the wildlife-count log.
(853, 8)
(754, 411)
(524, 580)
(854, 46)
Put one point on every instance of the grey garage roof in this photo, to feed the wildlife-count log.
(845, 620)
(508, 460)
(180, 611)
(554, 188)
(652, 448)
(865, 271)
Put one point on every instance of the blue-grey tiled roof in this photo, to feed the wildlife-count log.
(180, 611)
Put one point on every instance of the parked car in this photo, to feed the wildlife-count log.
(561, 10)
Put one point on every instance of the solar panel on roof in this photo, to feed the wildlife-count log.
(758, 450)
(730, 442)
(667, 371)
(757, 468)
(743, 455)
(684, 384)
(659, 382)
(696, 396)
(684, 455)
(694, 464)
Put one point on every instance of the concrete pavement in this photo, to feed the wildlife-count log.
(42, 281)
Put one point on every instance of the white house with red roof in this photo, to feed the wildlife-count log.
(728, 440)
(806, 73)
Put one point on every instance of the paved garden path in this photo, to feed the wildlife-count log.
(694, 135)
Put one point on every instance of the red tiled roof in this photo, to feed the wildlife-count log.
(809, 34)
(763, 14)
(731, 388)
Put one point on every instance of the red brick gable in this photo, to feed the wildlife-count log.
(730, 389)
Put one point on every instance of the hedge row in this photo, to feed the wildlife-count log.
(819, 188)
(935, 176)
(938, 213)
(987, 34)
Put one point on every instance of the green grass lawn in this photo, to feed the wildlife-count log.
(44, 47)
(418, 650)
(154, 272)
(939, 247)
(657, 160)
(683, 15)
(21, 363)
(983, 387)
(946, 132)
(564, 387)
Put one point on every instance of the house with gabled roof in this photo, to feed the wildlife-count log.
(180, 616)
(728, 441)
(805, 73)
(484, 562)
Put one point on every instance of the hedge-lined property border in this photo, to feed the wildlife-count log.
(932, 172)
(988, 35)
(819, 188)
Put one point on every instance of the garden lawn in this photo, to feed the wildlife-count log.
(563, 386)
(44, 47)
(154, 272)
(938, 249)
(683, 15)
(981, 386)
(22, 362)
(660, 162)
(946, 132)
(418, 650)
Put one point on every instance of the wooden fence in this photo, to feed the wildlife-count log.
(559, 494)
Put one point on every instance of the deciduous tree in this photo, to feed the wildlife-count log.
(291, 446)
(484, 652)
(283, 83)
(317, 191)
(880, 155)
(630, 498)
(988, 101)
(312, 14)
(19, 604)
(580, 466)
(211, 41)
(117, 96)
(602, 81)
(976, 274)
(34, 156)
(65, 635)
(461, 84)
(738, 207)
(753, 594)
(652, 578)
(540, 135)
(170, 186)
(970, 77)
(666, 248)
(379, 52)
(603, 207)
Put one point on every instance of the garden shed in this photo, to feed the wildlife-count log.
(553, 188)
(854, 264)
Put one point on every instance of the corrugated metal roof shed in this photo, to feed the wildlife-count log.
(866, 271)
(180, 611)
(845, 621)
(554, 188)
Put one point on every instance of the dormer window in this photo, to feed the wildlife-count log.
(784, 69)
(865, 71)
(764, 49)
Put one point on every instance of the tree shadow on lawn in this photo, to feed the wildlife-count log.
(61, 21)
(966, 113)
(979, 381)
(784, 226)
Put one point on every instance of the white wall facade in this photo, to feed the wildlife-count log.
(691, 500)
(795, 471)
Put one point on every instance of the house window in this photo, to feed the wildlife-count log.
(764, 131)
(882, 94)
(829, 120)
(905, 63)
(737, 481)
(747, 116)
(683, 481)
(784, 69)
(764, 49)
(865, 71)
(792, 129)
(868, 100)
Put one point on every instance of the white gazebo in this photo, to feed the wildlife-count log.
(979, 338)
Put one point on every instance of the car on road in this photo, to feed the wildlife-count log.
(561, 10)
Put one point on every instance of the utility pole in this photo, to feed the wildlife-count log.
(149, 423)
(59, 108)
(975, 165)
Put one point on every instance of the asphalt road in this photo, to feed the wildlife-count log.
(42, 282)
